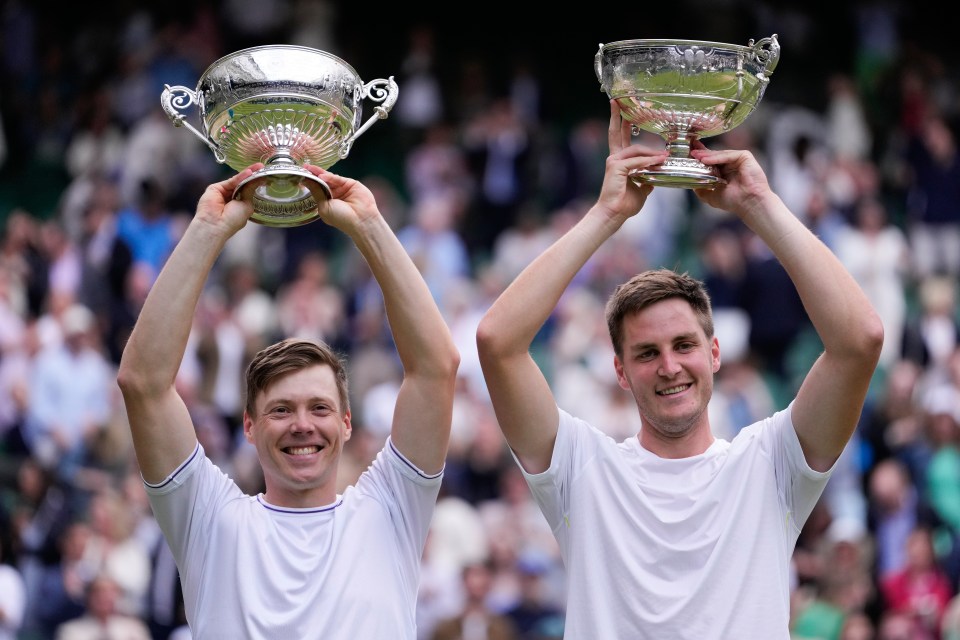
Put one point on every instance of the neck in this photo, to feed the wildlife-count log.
(692, 443)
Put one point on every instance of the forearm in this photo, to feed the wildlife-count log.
(522, 398)
(830, 399)
(836, 305)
(422, 338)
(423, 412)
(156, 346)
(515, 318)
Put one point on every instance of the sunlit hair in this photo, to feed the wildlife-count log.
(649, 287)
(288, 356)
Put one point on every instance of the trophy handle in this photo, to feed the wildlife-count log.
(379, 90)
(598, 66)
(769, 57)
(175, 98)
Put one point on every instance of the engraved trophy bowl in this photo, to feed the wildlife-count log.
(684, 90)
(284, 106)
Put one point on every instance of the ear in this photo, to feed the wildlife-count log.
(247, 427)
(621, 376)
(347, 426)
(715, 354)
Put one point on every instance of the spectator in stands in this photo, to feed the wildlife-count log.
(102, 620)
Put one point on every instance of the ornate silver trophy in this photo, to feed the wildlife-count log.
(683, 90)
(284, 106)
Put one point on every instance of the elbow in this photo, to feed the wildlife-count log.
(874, 336)
(126, 375)
(448, 360)
(859, 342)
(128, 379)
(871, 338)
(452, 364)
(499, 345)
(443, 367)
(489, 339)
(136, 380)
(440, 374)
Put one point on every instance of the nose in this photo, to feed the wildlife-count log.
(301, 421)
(669, 366)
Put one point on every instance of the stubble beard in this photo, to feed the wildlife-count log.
(672, 427)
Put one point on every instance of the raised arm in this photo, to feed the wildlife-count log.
(424, 408)
(163, 433)
(830, 400)
(522, 399)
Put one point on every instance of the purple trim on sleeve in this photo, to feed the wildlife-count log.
(413, 466)
(169, 479)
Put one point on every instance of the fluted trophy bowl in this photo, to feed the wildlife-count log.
(284, 106)
(685, 90)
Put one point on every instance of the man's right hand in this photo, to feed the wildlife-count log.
(620, 196)
(218, 208)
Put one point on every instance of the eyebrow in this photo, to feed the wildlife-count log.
(332, 401)
(683, 337)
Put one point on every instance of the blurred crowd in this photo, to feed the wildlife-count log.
(477, 176)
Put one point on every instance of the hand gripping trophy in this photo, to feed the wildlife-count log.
(683, 90)
(284, 106)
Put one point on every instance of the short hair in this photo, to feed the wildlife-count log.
(652, 286)
(288, 356)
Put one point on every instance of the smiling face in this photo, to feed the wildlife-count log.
(668, 362)
(298, 428)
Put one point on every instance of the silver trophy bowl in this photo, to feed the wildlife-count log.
(284, 106)
(684, 90)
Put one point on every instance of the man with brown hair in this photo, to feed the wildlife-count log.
(299, 560)
(675, 533)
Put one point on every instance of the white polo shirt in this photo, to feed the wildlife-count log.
(343, 571)
(691, 549)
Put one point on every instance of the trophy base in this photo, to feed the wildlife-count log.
(680, 173)
(279, 196)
